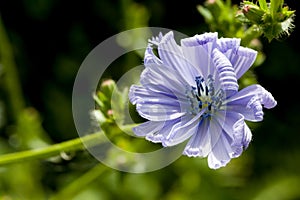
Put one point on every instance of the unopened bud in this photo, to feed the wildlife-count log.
(253, 13)
(107, 87)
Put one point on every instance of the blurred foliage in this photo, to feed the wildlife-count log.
(42, 44)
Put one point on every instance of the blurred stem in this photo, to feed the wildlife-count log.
(53, 150)
(76, 186)
(11, 79)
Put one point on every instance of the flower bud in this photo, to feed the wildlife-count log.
(253, 13)
(107, 87)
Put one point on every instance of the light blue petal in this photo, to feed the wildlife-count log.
(249, 102)
(228, 46)
(227, 121)
(242, 137)
(161, 79)
(225, 72)
(147, 128)
(221, 148)
(198, 51)
(139, 94)
(196, 60)
(159, 112)
(155, 106)
(267, 99)
(162, 95)
(247, 136)
(239, 134)
(199, 145)
(160, 135)
(183, 130)
(150, 58)
(220, 155)
(235, 137)
(172, 57)
(242, 60)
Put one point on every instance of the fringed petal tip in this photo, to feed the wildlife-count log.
(132, 97)
(226, 44)
(193, 152)
(196, 146)
(150, 57)
(267, 99)
(247, 52)
(167, 37)
(215, 163)
(255, 105)
(156, 39)
(200, 39)
(242, 136)
(155, 138)
(264, 98)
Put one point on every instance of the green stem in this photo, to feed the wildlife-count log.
(53, 150)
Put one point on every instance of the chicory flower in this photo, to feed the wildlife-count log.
(191, 92)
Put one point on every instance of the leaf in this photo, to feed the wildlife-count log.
(263, 5)
(275, 7)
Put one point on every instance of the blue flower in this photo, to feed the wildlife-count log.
(191, 92)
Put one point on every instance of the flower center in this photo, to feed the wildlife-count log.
(203, 97)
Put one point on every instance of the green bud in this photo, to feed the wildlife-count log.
(253, 12)
(110, 102)
(107, 87)
(103, 96)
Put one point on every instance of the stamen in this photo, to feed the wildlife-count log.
(206, 90)
(210, 84)
(200, 104)
(198, 89)
(203, 96)
(209, 107)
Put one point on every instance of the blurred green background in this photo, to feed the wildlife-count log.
(49, 39)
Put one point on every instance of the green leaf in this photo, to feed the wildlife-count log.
(275, 7)
(205, 13)
(263, 5)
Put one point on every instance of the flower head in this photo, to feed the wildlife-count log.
(190, 92)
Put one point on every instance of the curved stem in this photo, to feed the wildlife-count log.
(53, 150)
